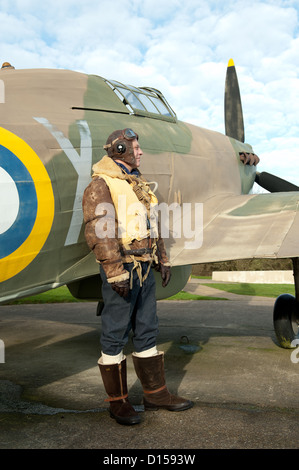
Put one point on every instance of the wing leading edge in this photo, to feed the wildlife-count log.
(243, 227)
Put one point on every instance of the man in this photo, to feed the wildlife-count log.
(121, 231)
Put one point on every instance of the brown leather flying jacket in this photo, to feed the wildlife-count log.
(109, 251)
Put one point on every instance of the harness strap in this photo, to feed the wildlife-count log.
(137, 252)
(137, 266)
(149, 392)
(122, 397)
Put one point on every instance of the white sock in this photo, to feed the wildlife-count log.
(107, 359)
(148, 353)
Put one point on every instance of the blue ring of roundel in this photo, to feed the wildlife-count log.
(22, 226)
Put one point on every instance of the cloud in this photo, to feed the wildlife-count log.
(181, 48)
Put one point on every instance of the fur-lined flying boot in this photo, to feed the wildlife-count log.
(115, 382)
(150, 371)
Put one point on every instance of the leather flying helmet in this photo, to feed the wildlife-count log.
(119, 145)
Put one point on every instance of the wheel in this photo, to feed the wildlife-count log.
(286, 320)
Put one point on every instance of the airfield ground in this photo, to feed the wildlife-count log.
(222, 354)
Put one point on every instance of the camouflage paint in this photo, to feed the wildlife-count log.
(57, 114)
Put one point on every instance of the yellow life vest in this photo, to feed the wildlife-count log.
(132, 214)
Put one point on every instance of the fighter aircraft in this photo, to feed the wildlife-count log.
(53, 125)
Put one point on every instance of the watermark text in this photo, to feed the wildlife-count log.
(295, 353)
(2, 92)
(2, 352)
(134, 221)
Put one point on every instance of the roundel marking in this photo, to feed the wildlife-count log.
(8, 192)
(26, 205)
(18, 232)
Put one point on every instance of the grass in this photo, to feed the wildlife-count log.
(186, 296)
(263, 290)
(58, 295)
(62, 294)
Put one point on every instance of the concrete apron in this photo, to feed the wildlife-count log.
(221, 354)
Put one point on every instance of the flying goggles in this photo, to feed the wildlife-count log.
(127, 134)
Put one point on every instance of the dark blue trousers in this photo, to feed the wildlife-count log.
(137, 312)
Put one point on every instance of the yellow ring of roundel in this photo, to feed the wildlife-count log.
(29, 249)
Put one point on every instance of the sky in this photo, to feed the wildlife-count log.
(181, 48)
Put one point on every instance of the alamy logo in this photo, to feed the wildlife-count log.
(176, 221)
(295, 353)
(2, 352)
(2, 92)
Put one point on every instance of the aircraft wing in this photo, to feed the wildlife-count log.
(242, 227)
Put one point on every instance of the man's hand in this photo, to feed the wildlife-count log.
(165, 273)
(122, 288)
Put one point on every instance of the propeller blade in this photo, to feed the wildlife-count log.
(233, 114)
(273, 183)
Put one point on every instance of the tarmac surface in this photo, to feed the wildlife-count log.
(221, 354)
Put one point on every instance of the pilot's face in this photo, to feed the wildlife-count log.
(137, 152)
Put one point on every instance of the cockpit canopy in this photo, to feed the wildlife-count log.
(143, 101)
